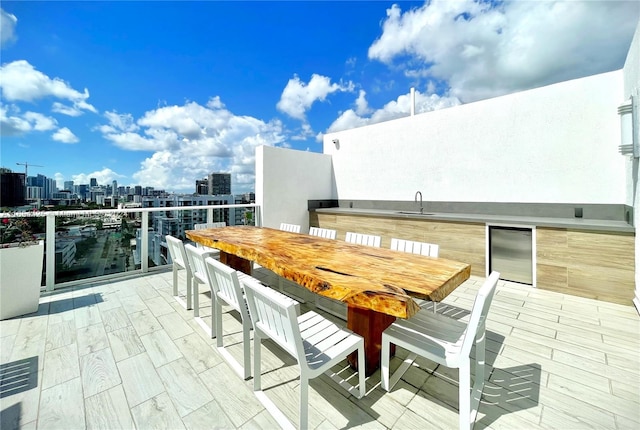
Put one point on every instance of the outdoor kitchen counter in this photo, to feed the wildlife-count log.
(567, 223)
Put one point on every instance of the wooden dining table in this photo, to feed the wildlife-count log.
(377, 284)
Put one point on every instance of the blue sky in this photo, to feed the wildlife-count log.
(162, 93)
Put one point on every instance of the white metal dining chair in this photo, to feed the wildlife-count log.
(327, 233)
(293, 228)
(413, 247)
(227, 289)
(448, 342)
(196, 257)
(179, 261)
(202, 226)
(315, 342)
(362, 239)
(331, 306)
(420, 248)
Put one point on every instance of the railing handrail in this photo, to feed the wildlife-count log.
(23, 214)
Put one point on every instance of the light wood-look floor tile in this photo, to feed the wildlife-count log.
(62, 406)
(139, 379)
(174, 325)
(212, 415)
(144, 322)
(240, 399)
(125, 343)
(132, 303)
(99, 372)
(158, 306)
(115, 318)
(86, 316)
(187, 391)
(92, 338)
(60, 365)
(157, 413)
(160, 347)
(200, 354)
(60, 334)
(108, 410)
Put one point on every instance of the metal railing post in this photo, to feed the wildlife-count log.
(50, 251)
(144, 245)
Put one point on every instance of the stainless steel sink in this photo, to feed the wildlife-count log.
(414, 213)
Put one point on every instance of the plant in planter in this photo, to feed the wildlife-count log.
(21, 260)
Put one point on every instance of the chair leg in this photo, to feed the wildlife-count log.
(478, 385)
(213, 315)
(175, 280)
(304, 403)
(219, 340)
(384, 365)
(246, 341)
(189, 292)
(361, 371)
(196, 298)
(464, 394)
(256, 362)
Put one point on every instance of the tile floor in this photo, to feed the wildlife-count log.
(125, 354)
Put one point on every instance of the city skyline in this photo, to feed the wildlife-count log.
(99, 89)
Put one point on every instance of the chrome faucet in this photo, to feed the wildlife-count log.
(415, 199)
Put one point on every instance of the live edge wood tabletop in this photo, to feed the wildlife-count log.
(377, 284)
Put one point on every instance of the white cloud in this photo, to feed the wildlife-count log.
(40, 122)
(362, 106)
(58, 107)
(8, 24)
(22, 82)
(483, 50)
(398, 108)
(297, 97)
(104, 177)
(191, 141)
(65, 135)
(15, 123)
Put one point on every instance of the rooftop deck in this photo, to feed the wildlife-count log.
(125, 354)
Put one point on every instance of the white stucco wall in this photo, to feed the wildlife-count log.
(631, 74)
(556, 144)
(286, 179)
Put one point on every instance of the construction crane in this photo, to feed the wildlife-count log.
(26, 167)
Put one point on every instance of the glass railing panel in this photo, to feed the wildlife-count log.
(89, 244)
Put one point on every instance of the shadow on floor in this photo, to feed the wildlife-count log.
(18, 376)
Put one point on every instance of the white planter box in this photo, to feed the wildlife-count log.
(20, 278)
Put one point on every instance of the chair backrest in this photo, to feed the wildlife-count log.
(362, 239)
(322, 232)
(274, 315)
(209, 225)
(293, 228)
(410, 246)
(196, 258)
(226, 285)
(479, 312)
(177, 252)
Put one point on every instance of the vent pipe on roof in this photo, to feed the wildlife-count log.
(413, 101)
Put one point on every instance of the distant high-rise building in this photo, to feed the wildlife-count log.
(68, 185)
(93, 182)
(83, 191)
(202, 186)
(217, 183)
(12, 189)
